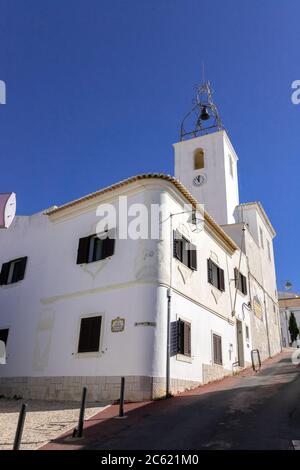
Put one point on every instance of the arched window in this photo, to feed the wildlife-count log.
(198, 159)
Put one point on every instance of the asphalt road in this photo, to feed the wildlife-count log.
(259, 411)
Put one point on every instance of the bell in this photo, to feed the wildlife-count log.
(204, 116)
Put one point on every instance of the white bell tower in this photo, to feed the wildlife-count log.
(206, 163)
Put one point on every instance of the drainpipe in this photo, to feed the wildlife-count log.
(168, 391)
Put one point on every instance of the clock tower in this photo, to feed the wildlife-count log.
(205, 160)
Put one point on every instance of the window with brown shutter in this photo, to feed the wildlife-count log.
(13, 271)
(217, 349)
(93, 248)
(89, 336)
(184, 251)
(240, 281)
(184, 338)
(215, 275)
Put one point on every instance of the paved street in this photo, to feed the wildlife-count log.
(250, 411)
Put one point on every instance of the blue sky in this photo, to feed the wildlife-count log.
(96, 91)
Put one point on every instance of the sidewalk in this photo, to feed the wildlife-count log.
(106, 426)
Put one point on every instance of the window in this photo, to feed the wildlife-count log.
(215, 275)
(184, 251)
(93, 248)
(240, 281)
(183, 338)
(4, 335)
(247, 333)
(217, 349)
(198, 159)
(269, 249)
(261, 237)
(230, 165)
(89, 337)
(13, 271)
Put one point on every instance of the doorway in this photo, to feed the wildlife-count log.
(240, 343)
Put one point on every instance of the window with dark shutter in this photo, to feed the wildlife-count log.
(215, 275)
(83, 250)
(217, 349)
(184, 251)
(4, 273)
(93, 248)
(89, 337)
(4, 335)
(240, 281)
(13, 272)
(209, 271)
(187, 339)
(184, 338)
(193, 257)
(221, 279)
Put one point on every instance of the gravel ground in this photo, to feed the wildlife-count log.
(45, 420)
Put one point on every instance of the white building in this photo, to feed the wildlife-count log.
(77, 310)
(288, 303)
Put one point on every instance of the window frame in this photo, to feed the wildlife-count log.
(215, 272)
(184, 351)
(89, 354)
(9, 271)
(199, 162)
(86, 249)
(240, 282)
(184, 251)
(216, 335)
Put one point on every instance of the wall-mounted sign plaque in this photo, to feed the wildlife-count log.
(117, 325)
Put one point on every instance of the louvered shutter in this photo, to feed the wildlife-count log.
(19, 271)
(236, 277)
(177, 245)
(244, 284)
(83, 250)
(108, 247)
(180, 337)
(209, 271)
(187, 339)
(217, 349)
(4, 273)
(173, 338)
(192, 257)
(221, 279)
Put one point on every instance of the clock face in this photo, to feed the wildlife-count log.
(200, 179)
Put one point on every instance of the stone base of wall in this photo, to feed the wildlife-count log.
(138, 388)
(176, 386)
(212, 372)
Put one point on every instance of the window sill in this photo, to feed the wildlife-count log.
(183, 358)
(12, 284)
(185, 265)
(87, 355)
